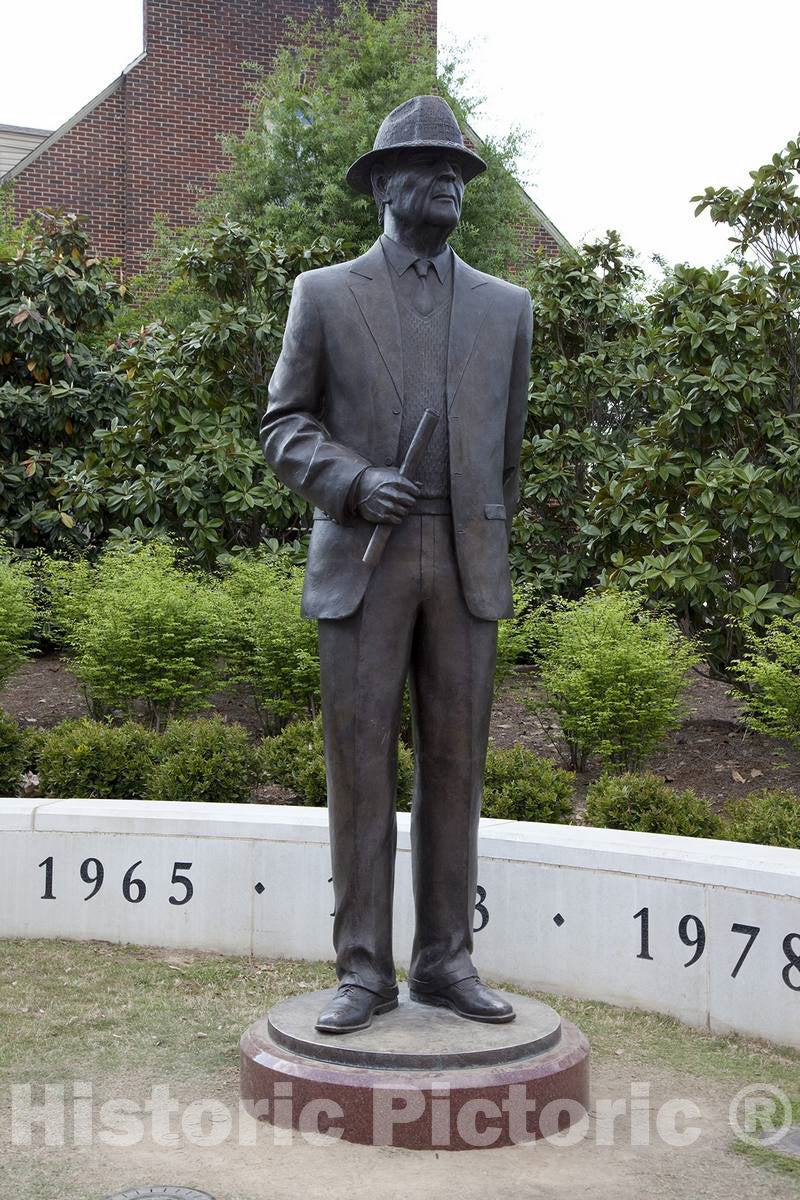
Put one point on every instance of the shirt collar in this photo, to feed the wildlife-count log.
(401, 258)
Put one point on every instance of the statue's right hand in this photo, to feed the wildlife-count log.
(384, 496)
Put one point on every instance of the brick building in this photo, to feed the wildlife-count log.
(149, 143)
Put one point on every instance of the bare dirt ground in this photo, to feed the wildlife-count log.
(711, 752)
(123, 1020)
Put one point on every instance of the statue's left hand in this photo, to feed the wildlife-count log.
(385, 496)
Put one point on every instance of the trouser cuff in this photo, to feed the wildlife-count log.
(426, 986)
(387, 991)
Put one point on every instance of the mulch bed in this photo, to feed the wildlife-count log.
(712, 752)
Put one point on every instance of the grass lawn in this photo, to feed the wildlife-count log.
(123, 1019)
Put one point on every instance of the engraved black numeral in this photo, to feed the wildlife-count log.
(643, 915)
(698, 941)
(96, 876)
(134, 890)
(184, 881)
(47, 894)
(481, 908)
(793, 963)
(752, 932)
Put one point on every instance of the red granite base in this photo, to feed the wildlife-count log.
(459, 1109)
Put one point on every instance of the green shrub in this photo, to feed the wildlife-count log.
(143, 633)
(12, 754)
(521, 786)
(613, 674)
(16, 617)
(89, 758)
(272, 650)
(769, 817)
(770, 672)
(517, 637)
(648, 805)
(204, 760)
(33, 741)
(295, 759)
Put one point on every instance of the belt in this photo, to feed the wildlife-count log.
(431, 506)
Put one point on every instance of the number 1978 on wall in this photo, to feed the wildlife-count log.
(692, 932)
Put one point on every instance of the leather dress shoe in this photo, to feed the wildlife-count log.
(352, 1008)
(469, 998)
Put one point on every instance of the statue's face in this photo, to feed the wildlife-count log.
(425, 187)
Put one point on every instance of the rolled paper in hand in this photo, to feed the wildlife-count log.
(409, 467)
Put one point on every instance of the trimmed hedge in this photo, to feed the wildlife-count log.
(204, 760)
(645, 804)
(17, 617)
(521, 786)
(88, 758)
(295, 759)
(769, 817)
(13, 750)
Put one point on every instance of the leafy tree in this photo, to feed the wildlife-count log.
(320, 106)
(765, 223)
(187, 460)
(591, 353)
(702, 507)
(54, 389)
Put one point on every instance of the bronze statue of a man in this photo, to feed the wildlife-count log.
(369, 346)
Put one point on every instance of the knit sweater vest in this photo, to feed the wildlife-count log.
(425, 345)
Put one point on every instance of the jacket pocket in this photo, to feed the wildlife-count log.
(495, 512)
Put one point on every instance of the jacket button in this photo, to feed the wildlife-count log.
(396, 412)
(388, 460)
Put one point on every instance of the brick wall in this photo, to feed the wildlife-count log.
(151, 144)
(536, 236)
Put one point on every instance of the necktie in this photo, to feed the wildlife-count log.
(423, 301)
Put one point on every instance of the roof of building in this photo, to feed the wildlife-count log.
(57, 134)
(16, 143)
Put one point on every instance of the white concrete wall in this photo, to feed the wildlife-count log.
(596, 880)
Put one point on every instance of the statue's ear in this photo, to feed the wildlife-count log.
(379, 178)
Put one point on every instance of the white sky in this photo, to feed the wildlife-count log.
(633, 106)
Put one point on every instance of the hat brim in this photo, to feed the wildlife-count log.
(359, 178)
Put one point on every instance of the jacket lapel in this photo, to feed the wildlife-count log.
(372, 288)
(370, 284)
(470, 305)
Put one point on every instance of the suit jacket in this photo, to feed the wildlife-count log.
(335, 407)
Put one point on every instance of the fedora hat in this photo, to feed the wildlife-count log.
(424, 122)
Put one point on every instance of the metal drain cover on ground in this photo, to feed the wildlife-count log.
(162, 1192)
(788, 1145)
